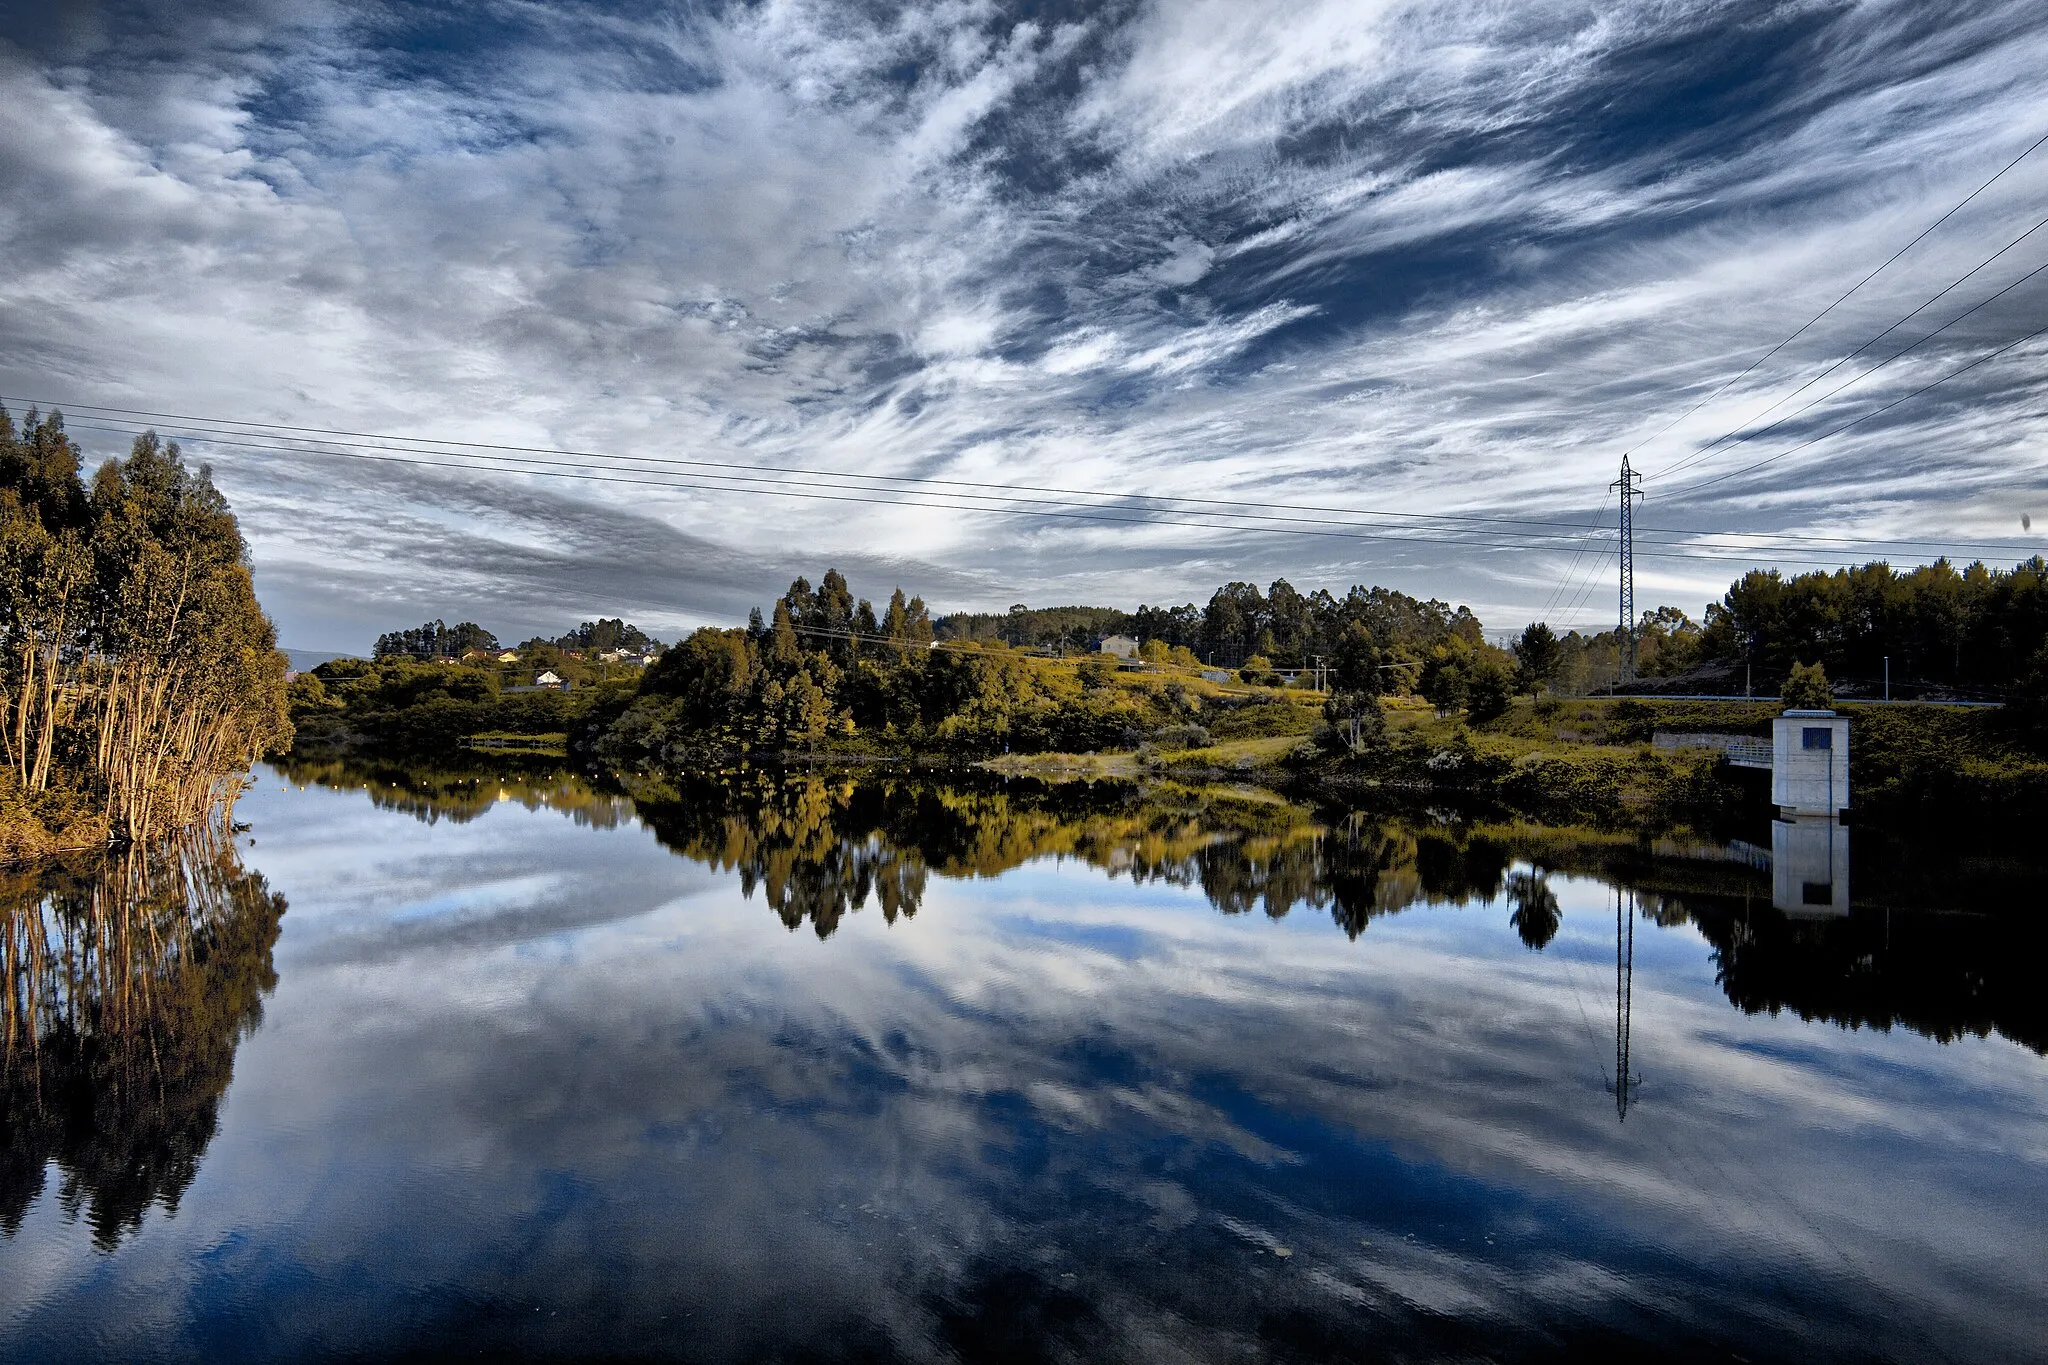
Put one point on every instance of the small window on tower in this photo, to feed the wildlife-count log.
(1816, 737)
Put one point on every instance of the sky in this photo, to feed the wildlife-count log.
(1437, 266)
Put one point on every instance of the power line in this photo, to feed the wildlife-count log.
(1467, 538)
(1587, 583)
(1804, 326)
(1572, 567)
(1747, 436)
(1002, 502)
(904, 498)
(450, 446)
(1875, 412)
(1747, 549)
(320, 440)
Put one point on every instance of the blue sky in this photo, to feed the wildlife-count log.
(1445, 258)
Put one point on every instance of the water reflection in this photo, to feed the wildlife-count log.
(1624, 1083)
(1810, 866)
(129, 982)
(1011, 1071)
(1944, 955)
(1533, 912)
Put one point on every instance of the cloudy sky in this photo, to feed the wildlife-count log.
(1413, 273)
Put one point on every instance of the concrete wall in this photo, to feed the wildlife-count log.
(1810, 762)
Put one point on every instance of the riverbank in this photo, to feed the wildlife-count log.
(1589, 760)
(44, 824)
(1594, 760)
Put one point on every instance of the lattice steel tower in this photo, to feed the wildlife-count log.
(1625, 1082)
(1629, 493)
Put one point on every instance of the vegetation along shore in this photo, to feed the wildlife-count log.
(142, 679)
(139, 677)
(1374, 692)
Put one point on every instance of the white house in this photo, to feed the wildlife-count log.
(548, 679)
(1810, 763)
(1123, 646)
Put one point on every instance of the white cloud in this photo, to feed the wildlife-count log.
(1419, 257)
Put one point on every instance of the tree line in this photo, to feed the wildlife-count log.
(138, 676)
(1970, 628)
(1283, 626)
(437, 639)
(825, 664)
(1974, 629)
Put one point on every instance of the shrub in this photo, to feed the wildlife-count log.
(1189, 736)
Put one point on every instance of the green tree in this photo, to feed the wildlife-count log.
(1489, 688)
(806, 712)
(1355, 662)
(1258, 671)
(436, 640)
(1356, 721)
(781, 651)
(601, 636)
(1807, 689)
(135, 663)
(1443, 683)
(1538, 655)
(2030, 698)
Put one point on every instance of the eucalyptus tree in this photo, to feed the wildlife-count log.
(138, 675)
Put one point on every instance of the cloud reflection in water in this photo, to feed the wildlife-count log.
(1049, 1112)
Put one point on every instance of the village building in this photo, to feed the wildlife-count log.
(1123, 646)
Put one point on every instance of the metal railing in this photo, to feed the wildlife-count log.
(1742, 751)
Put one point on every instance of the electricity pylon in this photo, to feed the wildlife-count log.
(1629, 493)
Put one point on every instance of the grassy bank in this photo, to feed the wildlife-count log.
(1565, 761)
(1973, 770)
(1593, 761)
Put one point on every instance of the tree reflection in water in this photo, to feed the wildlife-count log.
(1533, 909)
(818, 847)
(129, 982)
(1940, 946)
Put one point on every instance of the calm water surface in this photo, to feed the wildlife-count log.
(808, 1069)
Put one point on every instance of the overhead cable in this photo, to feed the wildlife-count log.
(1803, 327)
(1466, 538)
(1874, 412)
(1732, 439)
(318, 440)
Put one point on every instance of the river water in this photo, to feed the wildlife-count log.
(801, 1068)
